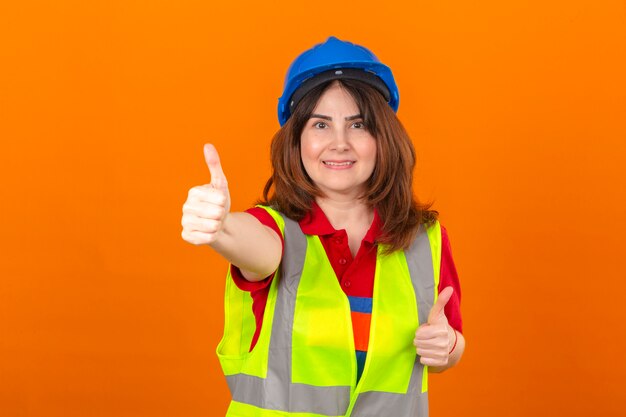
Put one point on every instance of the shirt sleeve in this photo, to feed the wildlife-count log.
(448, 277)
(243, 284)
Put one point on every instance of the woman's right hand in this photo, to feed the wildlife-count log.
(207, 206)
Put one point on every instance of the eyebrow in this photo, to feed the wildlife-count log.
(321, 116)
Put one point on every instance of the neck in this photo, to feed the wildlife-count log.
(342, 212)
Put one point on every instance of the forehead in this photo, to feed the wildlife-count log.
(336, 99)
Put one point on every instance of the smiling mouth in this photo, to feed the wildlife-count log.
(339, 164)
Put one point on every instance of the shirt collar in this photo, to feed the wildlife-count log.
(316, 223)
(374, 231)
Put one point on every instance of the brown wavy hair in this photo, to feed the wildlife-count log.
(389, 190)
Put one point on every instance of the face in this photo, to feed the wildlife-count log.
(338, 153)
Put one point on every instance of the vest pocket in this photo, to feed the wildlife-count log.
(322, 341)
(239, 327)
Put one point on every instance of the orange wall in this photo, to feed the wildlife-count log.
(518, 112)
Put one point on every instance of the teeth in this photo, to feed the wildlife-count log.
(338, 164)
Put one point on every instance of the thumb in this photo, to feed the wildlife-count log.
(218, 179)
(442, 300)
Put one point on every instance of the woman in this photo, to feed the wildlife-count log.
(342, 294)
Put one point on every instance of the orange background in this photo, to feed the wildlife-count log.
(518, 113)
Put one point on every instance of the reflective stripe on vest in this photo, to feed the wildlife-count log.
(304, 361)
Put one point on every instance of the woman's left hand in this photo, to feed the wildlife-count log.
(433, 340)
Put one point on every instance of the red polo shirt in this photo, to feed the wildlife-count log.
(355, 275)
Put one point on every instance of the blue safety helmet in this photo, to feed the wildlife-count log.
(331, 60)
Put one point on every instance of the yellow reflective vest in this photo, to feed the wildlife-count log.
(304, 363)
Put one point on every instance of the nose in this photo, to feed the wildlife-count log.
(339, 141)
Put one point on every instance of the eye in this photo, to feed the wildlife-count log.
(358, 125)
(320, 125)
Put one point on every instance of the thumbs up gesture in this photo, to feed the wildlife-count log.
(207, 206)
(433, 340)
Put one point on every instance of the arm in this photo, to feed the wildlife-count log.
(452, 310)
(254, 248)
(238, 237)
